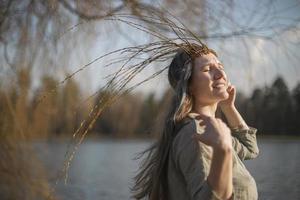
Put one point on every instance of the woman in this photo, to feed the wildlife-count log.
(198, 156)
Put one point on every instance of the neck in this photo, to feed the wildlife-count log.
(208, 110)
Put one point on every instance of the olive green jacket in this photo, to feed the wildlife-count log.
(189, 165)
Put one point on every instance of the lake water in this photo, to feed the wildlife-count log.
(103, 169)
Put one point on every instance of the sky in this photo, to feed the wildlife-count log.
(250, 61)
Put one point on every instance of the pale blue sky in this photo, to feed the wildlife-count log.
(256, 65)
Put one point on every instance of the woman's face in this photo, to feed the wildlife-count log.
(208, 84)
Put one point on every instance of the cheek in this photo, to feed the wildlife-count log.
(200, 84)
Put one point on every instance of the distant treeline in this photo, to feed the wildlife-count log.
(273, 110)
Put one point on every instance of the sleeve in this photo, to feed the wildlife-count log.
(244, 143)
(190, 162)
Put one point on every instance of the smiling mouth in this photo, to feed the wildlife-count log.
(220, 85)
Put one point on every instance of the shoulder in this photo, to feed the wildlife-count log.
(187, 127)
(183, 138)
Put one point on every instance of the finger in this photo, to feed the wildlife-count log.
(200, 120)
(230, 88)
(198, 117)
(203, 117)
(201, 123)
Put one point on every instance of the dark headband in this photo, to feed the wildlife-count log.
(180, 69)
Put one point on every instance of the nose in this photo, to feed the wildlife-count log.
(219, 74)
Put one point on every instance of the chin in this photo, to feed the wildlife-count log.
(222, 95)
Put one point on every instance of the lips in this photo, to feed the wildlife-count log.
(218, 85)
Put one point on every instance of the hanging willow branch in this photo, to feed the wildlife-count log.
(130, 63)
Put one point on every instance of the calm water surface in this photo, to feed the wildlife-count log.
(103, 169)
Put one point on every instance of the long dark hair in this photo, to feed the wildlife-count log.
(151, 182)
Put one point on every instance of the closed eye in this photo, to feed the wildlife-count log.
(206, 69)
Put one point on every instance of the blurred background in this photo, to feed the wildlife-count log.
(52, 75)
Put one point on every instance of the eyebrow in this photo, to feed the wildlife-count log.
(207, 63)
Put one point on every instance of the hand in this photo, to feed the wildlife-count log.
(229, 102)
(216, 133)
